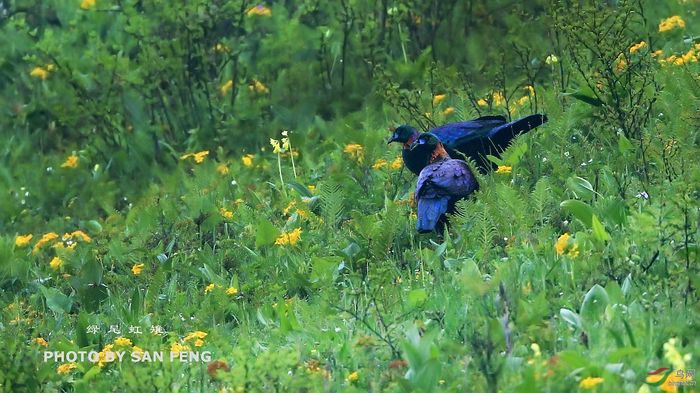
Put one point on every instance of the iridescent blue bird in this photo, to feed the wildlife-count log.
(442, 182)
(487, 135)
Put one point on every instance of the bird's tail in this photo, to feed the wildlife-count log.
(429, 212)
(501, 136)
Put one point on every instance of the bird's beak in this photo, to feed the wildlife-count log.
(392, 139)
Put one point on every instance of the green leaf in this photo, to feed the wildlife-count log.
(266, 233)
(598, 230)
(417, 297)
(578, 209)
(624, 144)
(594, 303)
(56, 301)
(570, 317)
(581, 187)
(587, 98)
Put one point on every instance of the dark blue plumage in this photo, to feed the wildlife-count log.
(441, 183)
(487, 135)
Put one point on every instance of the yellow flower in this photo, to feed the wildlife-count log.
(551, 59)
(87, 4)
(228, 214)
(657, 53)
(621, 64)
(55, 263)
(196, 334)
(259, 10)
(23, 240)
(671, 23)
(498, 98)
(276, 148)
(523, 100)
(70, 162)
(354, 150)
(80, 234)
(39, 72)
(222, 169)
(41, 342)
(289, 207)
(232, 291)
(122, 342)
(562, 243)
(176, 347)
(291, 238)
(636, 47)
(590, 382)
(504, 169)
(672, 355)
(65, 368)
(481, 102)
(221, 48)
(102, 355)
(136, 349)
(353, 377)
(226, 87)
(573, 251)
(397, 163)
(198, 342)
(248, 160)
(44, 239)
(311, 187)
(448, 111)
(536, 350)
(137, 268)
(379, 164)
(199, 157)
(258, 87)
(438, 98)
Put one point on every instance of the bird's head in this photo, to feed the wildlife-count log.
(428, 145)
(404, 134)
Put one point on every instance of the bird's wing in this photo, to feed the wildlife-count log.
(446, 178)
(454, 134)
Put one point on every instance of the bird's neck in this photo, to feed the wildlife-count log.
(411, 139)
(439, 154)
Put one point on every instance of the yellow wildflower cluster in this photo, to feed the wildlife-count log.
(136, 349)
(355, 151)
(247, 160)
(258, 87)
(590, 382)
(228, 214)
(87, 4)
(448, 111)
(671, 23)
(198, 337)
(23, 240)
(504, 169)
(82, 236)
(211, 287)
(397, 163)
(438, 98)
(551, 60)
(122, 342)
(636, 47)
(498, 98)
(70, 162)
(691, 56)
(353, 377)
(226, 87)
(620, 64)
(222, 48)
(232, 291)
(137, 269)
(314, 366)
(42, 72)
(379, 164)
(41, 341)
(291, 238)
(102, 358)
(56, 263)
(198, 157)
(259, 10)
(176, 348)
(222, 169)
(672, 354)
(44, 239)
(65, 368)
(280, 147)
(565, 244)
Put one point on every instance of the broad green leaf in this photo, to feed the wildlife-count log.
(594, 303)
(598, 230)
(624, 145)
(265, 233)
(56, 301)
(581, 187)
(417, 297)
(570, 317)
(578, 209)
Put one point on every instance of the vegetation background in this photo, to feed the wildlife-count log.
(140, 189)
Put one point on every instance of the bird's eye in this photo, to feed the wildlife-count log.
(421, 141)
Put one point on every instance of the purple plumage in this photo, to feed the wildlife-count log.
(440, 185)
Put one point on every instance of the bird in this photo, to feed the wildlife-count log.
(477, 138)
(441, 183)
